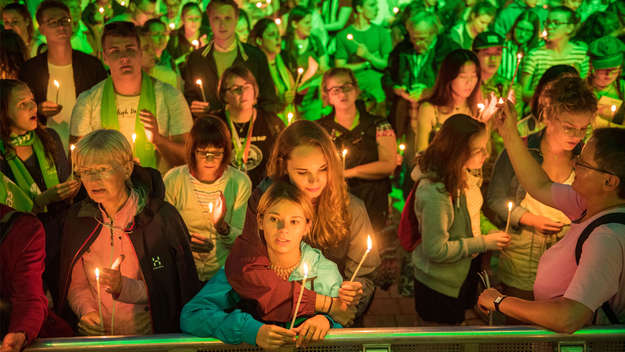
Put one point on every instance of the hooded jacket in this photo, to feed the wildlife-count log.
(161, 243)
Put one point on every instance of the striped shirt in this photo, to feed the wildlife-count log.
(540, 59)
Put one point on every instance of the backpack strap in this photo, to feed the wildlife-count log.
(612, 218)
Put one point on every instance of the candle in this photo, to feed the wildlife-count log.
(259, 4)
(501, 101)
(195, 43)
(344, 153)
(278, 21)
(396, 10)
(123, 3)
(510, 204)
(199, 84)
(101, 10)
(369, 245)
(402, 149)
(268, 1)
(350, 36)
(172, 25)
(71, 153)
(544, 34)
(519, 56)
(480, 107)
(97, 282)
(301, 292)
(134, 148)
(57, 85)
(613, 109)
(289, 118)
(210, 209)
(300, 71)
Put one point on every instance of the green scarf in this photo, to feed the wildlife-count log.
(13, 196)
(283, 81)
(144, 149)
(22, 177)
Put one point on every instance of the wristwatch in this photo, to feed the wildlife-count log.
(498, 301)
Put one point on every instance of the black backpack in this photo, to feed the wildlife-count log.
(5, 306)
(613, 218)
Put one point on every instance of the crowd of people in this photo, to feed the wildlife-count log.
(223, 168)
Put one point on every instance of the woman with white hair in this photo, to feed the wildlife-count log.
(125, 232)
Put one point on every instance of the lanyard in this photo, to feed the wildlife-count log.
(241, 153)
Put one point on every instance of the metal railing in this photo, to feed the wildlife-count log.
(436, 339)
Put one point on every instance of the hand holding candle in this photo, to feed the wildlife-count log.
(301, 293)
(369, 245)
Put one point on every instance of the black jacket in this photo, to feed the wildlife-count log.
(88, 71)
(201, 65)
(160, 240)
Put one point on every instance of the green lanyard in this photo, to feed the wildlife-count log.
(241, 153)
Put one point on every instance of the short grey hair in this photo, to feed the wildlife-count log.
(106, 146)
(426, 17)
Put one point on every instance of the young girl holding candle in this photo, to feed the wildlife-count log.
(456, 91)
(568, 106)
(305, 155)
(210, 195)
(522, 37)
(181, 40)
(447, 205)
(285, 216)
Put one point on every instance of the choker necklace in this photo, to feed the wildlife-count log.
(284, 272)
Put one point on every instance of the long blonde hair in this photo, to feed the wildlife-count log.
(332, 223)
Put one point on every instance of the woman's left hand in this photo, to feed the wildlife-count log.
(486, 301)
(112, 280)
(312, 330)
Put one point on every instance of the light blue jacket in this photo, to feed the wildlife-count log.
(213, 311)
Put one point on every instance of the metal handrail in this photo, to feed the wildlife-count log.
(402, 335)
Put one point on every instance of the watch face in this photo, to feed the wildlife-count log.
(498, 299)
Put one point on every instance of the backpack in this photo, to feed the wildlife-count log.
(5, 306)
(613, 218)
(408, 230)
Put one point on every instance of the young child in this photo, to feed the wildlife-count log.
(285, 216)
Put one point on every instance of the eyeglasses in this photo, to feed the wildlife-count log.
(239, 90)
(95, 173)
(346, 88)
(26, 105)
(553, 23)
(65, 21)
(580, 163)
(209, 156)
(572, 131)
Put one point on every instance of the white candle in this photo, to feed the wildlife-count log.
(300, 71)
(369, 245)
(97, 282)
(510, 204)
(57, 85)
(344, 153)
(301, 292)
(199, 84)
(71, 155)
(519, 56)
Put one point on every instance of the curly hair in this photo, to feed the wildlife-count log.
(568, 94)
(332, 223)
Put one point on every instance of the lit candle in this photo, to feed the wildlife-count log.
(195, 43)
(300, 72)
(210, 209)
(123, 3)
(259, 4)
(172, 25)
(97, 283)
(278, 21)
(402, 149)
(199, 84)
(350, 36)
(71, 152)
(510, 204)
(396, 10)
(134, 147)
(101, 10)
(58, 86)
(369, 245)
(268, 1)
(480, 107)
(301, 292)
(501, 101)
(289, 118)
(613, 109)
(544, 34)
(344, 153)
(519, 56)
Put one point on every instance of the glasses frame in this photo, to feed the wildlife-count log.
(209, 156)
(345, 88)
(580, 163)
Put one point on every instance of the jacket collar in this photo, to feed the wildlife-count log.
(240, 49)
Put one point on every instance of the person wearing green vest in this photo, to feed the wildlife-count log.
(606, 63)
(152, 115)
(34, 168)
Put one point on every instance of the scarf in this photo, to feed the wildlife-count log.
(22, 177)
(143, 148)
(13, 196)
(283, 81)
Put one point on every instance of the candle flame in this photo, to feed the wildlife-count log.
(510, 204)
(172, 25)
(613, 108)
(402, 147)
(395, 10)
(481, 106)
(123, 3)
(500, 101)
(269, 1)
(195, 43)
(289, 117)
(344, 153)
(134, 138)
(519, 56)
(101, 10)
(350, 37)
(544, 33)
(278, 21)
(56, 83)
(259, 4)
(198, 82)
(305, 267)
(369, 243)
(72, 147)
(97, 273)
(210, 207)
(300, 70)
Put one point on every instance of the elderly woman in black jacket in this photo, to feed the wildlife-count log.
(126, 264)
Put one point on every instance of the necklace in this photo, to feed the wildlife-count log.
(284, 272)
